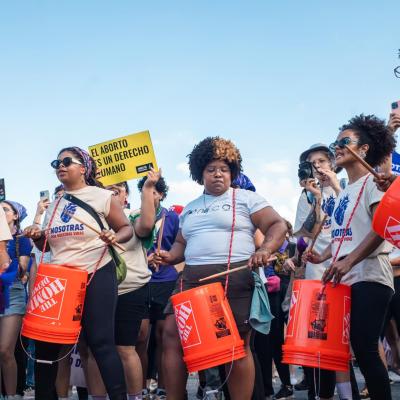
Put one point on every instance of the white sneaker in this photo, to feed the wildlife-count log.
(394, 377)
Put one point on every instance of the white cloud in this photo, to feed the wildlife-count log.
(278, 167)
(183, 191)
(183, 167)
(281, 193)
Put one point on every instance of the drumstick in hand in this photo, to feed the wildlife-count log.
(231, 271)
(95, 230)
(363, 162)
(160, 233)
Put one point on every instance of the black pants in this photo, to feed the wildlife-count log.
(269, 347)
(394, 307)
(98, 332)
(369, 303)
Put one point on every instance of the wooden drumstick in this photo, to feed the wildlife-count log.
(95, 230)
(160, 233)
(363, 162)
(230, 271)
(318, 232)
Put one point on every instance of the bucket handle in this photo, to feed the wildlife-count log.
(50, 362)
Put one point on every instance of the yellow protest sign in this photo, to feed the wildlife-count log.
(124, 158)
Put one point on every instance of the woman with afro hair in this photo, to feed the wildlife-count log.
(360, 256)
(203, 242)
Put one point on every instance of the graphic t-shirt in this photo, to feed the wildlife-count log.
(315, 271)
(396, 163)
(72, 243)
(135, 257)
(206, 225)
(376, 267)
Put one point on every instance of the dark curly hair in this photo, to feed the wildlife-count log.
(92, 179)
(214, 148)
(161, 186)
(372, 131)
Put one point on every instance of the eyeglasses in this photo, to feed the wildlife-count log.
(341, 143)
(66, 161)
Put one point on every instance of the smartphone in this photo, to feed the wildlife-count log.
(396, 107)
(2, 190)
(44, 195)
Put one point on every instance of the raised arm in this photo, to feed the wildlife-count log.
(145, 222)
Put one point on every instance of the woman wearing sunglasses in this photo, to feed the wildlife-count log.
(360, 256)
(82, 248)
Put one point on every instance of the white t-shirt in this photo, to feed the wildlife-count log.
(206, 225)
(72, 243)
(5, 233)
(138, 274)
(376, 267)
(315, 271)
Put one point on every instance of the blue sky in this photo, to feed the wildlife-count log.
(274, 77)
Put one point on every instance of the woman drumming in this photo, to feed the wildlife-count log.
(360, 256)
(203, 242)
(82, 248)
(13, 295)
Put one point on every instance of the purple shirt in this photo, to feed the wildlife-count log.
(166, 273)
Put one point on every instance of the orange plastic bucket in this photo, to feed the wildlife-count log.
(207, 329)
(386, 222)
(318, 331)
(54, 311)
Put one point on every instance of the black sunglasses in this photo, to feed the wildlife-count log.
(66, 161)
(341, 143)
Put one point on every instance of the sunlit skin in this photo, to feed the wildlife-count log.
(73, 176)
(217, 177)
(119, 193)
(342, 156)
(11, 216)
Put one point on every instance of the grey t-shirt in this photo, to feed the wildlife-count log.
(206, 225)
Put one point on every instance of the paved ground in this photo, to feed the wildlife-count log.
(193, 382)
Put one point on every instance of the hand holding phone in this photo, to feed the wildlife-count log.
(396, 107)
(394, 119)
(44, 195)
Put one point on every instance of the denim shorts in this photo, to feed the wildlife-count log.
(17, 300)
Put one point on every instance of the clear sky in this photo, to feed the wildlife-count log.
(273, 76)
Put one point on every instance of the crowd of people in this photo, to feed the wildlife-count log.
(129, 335)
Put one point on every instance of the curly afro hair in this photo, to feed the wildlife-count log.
(161, 186)
(214, 148)
(372, 131)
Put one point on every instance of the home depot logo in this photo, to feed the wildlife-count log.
(392, 231)
(186, 323)
(292, 312)
(47, 297)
